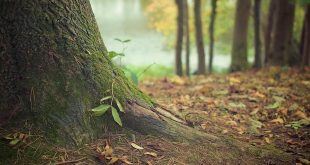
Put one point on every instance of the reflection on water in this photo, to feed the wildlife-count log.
(124, 19)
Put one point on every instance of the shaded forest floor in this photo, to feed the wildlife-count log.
(269, 107)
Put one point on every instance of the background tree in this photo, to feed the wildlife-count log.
(305, 38)
(179, 41)
(211, 33)
(281, 43)
(199, 38)
(270, 20)
(187, 38)
(239, 49)
(257, 41)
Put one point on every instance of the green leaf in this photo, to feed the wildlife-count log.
(105, 98)
(14, 142)
(273, 106)
(113, 54)
(116, 117)
(119, 105)
(100, 110)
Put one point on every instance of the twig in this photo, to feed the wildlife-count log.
(71, 161)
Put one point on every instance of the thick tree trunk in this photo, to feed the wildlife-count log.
(281, 37)
(305, 38)
(271, 12)
(179, 41)
(187, 38)
(199, 38)
(257, 42)
(211, 33)
(54, 68)
(239, 50)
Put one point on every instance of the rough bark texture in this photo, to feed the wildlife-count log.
(271, 12)
(280, 52)
(54, 68)
(187, 39)
(257, 42)
(239, 49)
(179, 41)
(305, 38)
(211, 33)
(199, 38)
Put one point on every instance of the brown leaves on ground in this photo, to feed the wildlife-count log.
(270, 106)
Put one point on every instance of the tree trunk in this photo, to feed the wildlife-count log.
(199, 38)
(54, 68)
(179, 41)
(305, 38)
(211, 33)
(257, 42)
(271, 12)
(187, 39)
(280, 52)
(239, 50)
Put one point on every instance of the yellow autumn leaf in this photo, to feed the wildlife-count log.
(136, 146)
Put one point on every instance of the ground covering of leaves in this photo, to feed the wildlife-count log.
(269, 106)
(265, 107)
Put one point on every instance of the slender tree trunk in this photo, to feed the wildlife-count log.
(187, 39)
(211, 33)
(271, 16)
(305, 38)
(199, 38)
(179, 41)
(257, 42)
(239, 49)
(54, 68)
(280, 52)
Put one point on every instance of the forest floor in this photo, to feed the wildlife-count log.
(269, 107)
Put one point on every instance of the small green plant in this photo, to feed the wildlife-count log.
(104, 107)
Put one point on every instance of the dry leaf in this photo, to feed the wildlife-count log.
(136, 146)
(231, 123)
(277, 121)
(304, 161)
(124, 160)
(151, 154)
(300, 114)
(224, 131)
(267, 140)
(113, 160)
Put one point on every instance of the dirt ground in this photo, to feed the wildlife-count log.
(267, 109)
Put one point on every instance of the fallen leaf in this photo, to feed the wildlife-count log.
(136, 146)
(304, 161)
(113, 160)
(300, 115)
(224, 131)
(231, 123)
(277, 121)
(267, 140)
(151, 154)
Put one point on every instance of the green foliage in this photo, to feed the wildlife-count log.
(103, 108)
(299, 124)
(113, 54)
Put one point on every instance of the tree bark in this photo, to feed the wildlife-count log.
(280, 52)
(199, 38)
(305, 38)
(179, 41)
(239, 50)
(211, 33)
(187, 38)
(257, 42)
(271, 12)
